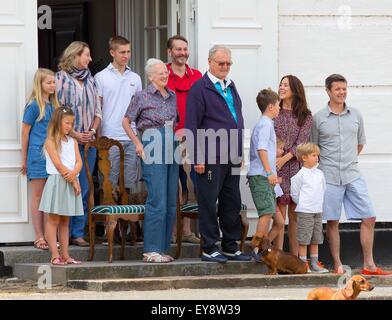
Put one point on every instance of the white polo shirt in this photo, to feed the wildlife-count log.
(116, 91)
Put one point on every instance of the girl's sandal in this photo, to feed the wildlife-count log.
(154, 257)
(57, 261)
(71, 261)
(41, 244)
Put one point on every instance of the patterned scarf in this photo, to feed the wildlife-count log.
(80, 74)
(86, 105)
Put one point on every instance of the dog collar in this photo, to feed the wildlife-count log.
(266, 251)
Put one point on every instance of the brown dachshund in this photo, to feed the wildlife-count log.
(276, 260)
(353, 288)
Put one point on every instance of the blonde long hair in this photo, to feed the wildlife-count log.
(36, 93)
(71, 53)
(54, 128)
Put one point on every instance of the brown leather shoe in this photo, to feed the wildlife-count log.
(79, 242)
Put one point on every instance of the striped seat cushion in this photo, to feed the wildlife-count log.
(193, 207)
(190, 207)
(131, 209)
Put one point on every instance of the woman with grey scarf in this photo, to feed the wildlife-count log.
(76, 89)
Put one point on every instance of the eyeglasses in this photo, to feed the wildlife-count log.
(222, 64)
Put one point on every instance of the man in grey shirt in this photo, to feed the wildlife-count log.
(339, 131)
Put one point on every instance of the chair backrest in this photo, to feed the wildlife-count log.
(103, 145)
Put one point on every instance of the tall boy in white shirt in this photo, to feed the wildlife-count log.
(307, 191)
(116, 85)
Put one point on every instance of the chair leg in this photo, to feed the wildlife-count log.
(123, 230)
(200, 249)
(133, 233)
(245, 229)
(92, 238)
(111, 225)
(180, 227)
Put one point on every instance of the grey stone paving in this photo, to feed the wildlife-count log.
(384, 293)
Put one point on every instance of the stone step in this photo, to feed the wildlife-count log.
(133, 270)
(201, 282)
(11, 255)
(215, 282)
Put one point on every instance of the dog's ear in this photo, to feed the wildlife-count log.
(350, 288)
(265, 244)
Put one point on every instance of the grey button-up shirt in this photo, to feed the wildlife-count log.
(338, 137)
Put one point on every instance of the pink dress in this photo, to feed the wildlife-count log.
(287, 129)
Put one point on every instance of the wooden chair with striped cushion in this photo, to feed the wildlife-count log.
(191, 210)
(109, 211)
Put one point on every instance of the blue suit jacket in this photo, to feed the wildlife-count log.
(207, 109)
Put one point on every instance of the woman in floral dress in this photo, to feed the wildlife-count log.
(293, 126)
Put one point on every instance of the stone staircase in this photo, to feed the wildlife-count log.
(27, 263)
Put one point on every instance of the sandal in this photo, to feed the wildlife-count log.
(41, 244)
(154, 257)
(168, 257)
(70, 260)
(57, 261)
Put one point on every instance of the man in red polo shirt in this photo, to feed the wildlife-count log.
(181, 79)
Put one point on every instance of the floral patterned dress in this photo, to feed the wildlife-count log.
(287, 129)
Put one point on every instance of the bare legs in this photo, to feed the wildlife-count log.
(367, 238)
(263, 226)
(38, 217)
(61, 224)
(292, 229)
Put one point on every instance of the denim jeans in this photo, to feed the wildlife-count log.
(78, 224)
(162, 186)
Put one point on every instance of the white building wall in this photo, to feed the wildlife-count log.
(353, 38)
(18, 62)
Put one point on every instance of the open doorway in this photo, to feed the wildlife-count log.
(146, 23)
(92, 21)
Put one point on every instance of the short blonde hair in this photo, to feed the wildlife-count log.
(305, 149)
(71, 53)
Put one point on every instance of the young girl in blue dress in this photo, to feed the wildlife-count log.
(39, 109)
(61, 197)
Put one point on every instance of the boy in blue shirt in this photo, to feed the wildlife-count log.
(262, 171)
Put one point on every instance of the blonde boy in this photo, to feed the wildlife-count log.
(307, 191)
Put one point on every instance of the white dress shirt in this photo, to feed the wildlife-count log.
(307, 190)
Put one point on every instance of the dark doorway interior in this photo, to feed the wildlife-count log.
(92, 21)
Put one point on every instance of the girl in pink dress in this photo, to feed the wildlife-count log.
(293, 126)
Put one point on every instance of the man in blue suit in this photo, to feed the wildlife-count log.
(214, 119)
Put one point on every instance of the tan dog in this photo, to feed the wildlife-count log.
(276, 260)
(353, 288)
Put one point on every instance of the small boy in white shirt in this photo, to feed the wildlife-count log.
(307, 191)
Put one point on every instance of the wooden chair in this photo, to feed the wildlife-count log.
(191, 210)
(109, 211)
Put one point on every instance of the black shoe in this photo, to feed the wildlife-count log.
(237, 256)
(215, 256)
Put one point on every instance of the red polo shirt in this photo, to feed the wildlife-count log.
(181, 87)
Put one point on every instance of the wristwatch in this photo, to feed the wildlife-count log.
(269, 174)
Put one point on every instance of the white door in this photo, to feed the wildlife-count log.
(18, 62)
(250, 29)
